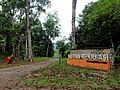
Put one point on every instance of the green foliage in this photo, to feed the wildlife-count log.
(2, 57)
(117, 59)
(40, 41)
(63, 47)
(51, 25)
(2, 42)
(99, 25)
(51, 49)
(13, 27)
(117, 53)
(66, 53)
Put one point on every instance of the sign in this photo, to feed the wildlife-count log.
(92, 58)
(92, 54)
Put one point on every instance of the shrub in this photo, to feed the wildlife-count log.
(117, 59)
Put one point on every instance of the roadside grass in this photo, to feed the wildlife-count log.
(65, 77)
(40, 59)
(23, 62)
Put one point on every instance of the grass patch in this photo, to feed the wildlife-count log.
(63, 76)
(40, 59)
(23, 62)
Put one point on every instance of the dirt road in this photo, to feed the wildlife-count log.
(9, 76)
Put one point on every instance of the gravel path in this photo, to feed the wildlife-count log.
(9, 76)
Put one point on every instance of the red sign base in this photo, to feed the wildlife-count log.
(101, 64)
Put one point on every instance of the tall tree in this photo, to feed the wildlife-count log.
(73, 23)
(52, 28)
(28, 31)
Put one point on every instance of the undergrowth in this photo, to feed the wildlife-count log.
(62, 76)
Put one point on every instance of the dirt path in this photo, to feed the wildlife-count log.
(9, 76)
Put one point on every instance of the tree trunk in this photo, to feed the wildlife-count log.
(112, 50)
(117, 51)
(73, 23)
(18, 52)
(13, 53)
(13, 27)
(19, 45)
(47, 48)
(7, 46)
(29, 32)
(26, 48)
(13, 19)
(111, 40)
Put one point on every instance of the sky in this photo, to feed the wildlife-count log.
(64, 8)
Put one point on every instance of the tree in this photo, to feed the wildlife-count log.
(63, 47)
(73, 23)
(52, 27)
(13, 25)
(39, 4)
(10, 25)
(28, 31)
(99, 25)
(7, 22)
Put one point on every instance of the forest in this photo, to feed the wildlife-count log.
(21, 31)
(99, 26)
(23, 34)
(89, 59)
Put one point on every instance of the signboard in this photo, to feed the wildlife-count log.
(89, 55)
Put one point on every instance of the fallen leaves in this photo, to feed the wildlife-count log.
(63, 76)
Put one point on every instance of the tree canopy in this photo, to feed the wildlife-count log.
(13, 25)
(99, 25)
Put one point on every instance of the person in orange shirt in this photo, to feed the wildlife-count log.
(8, 59)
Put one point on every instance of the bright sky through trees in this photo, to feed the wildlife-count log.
(64, 8)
